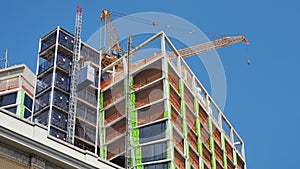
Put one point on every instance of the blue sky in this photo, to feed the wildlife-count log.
(262, 98)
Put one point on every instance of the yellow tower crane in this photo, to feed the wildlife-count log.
(111, 33)
(186, 52)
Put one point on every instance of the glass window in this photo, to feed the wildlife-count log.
(42, 101)
(42, 118)
(85, 131)
(8, 99)
(65, 40)
(61, 100)
(12, 109)
(154, 152)
(48, 41)
(157, 166)
(152, 132)
(59, 119)
(27, 113)
(58, 134)
(28, 102)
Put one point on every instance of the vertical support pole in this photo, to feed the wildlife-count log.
(98, 122)
(18, 102)
(235, 158)
(35, 78)
(224, 151)
(207, 102)
(6, 58)
(127, 95)
(231, 135)
(53, 79)
(184, 125)
(167, 103)
(128, 147)
(113, 74)
(212, 147)
(198, 130)
(22, 107)
(220, 118)
(179, 65)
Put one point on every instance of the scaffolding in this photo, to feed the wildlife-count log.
(53, 89)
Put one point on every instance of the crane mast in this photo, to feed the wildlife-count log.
(111, 33)
(74, 72)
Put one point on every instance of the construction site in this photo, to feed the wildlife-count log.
(148, 112)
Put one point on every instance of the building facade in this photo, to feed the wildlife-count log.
(172, 121)
(17, 90)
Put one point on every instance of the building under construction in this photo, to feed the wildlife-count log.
(142, 110)
(171, 120)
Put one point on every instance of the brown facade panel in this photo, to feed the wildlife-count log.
(114, 112)
(240, 162)
(178, 141)
(114, 93)
(204, 136)
(188, 98)
(149, 94)
(115, 148)
(191, 119)
(218, 165)
(176, 119)
(229, 150)
(206, 156)
(173, 79)
(192, 139)
(115, 130)
(151, 113)
(194, 158)
(179, 160)
(217, 135)
(106, 82)
(230, 164)
(206, 167)
(148, 74)
(219, 154)
(203, 117)
(175, 99)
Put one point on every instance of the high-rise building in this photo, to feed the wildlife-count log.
(171, 120)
